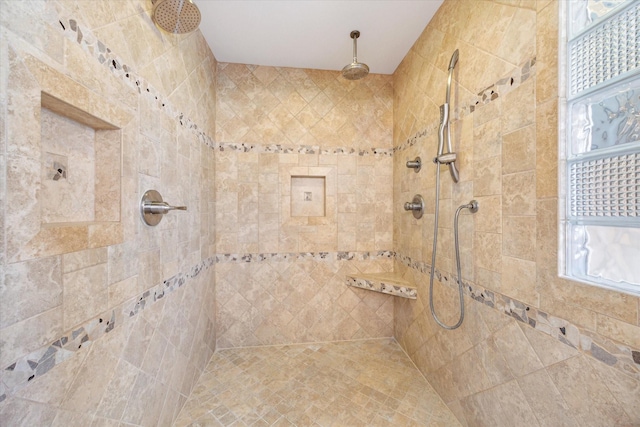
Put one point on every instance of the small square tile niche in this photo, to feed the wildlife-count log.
(308, 195)
(79, 176)
(64, 163)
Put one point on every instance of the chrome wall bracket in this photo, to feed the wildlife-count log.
(416, 206)
(152, 208)
(416, 164)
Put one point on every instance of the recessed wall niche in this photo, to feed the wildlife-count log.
(64, 164)
(308, 196)
(309, 211)
(80, 174)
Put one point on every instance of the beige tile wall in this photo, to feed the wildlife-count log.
(495, 370)
(294, 106)
(340, 123)
(299, 299)
(274, 124)
(142, 370)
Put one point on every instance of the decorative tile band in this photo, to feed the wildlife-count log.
(291, 256)
(39, 362)
(601, 348)
(99, 51)
(105, 56)
(300, 149)
(498, 89)
(382, 287)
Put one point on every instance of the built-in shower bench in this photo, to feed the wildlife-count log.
(386, 283)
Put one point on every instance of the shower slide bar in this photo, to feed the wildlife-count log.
(449, 159)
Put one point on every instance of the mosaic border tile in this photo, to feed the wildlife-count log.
(317, 256)
(382, 287)
(37, 363)
(498, 89)
(614, 354)
(105, 56)
(245, 147)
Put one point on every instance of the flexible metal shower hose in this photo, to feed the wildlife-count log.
(433, 256)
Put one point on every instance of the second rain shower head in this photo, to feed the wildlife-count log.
(356, 70)
(176, 16)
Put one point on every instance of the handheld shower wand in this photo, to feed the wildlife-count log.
(448, 158)
(444, 132)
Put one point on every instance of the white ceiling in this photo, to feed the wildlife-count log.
(314, 33)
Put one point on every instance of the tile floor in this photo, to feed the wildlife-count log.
(354, 383)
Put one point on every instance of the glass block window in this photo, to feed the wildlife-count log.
(600, 144)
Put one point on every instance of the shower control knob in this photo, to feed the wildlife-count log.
(416, 206)
(152, 208)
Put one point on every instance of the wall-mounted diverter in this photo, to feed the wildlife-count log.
(415, 164)
(416, 206)
(152, 208)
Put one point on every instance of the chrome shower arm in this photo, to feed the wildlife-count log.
(355, 45)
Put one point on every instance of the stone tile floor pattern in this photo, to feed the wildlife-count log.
(354, 383)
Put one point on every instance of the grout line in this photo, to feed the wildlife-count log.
(493, 92)
(603, 349)
(40, 361)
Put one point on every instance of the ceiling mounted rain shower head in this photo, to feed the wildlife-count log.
(356, 70)
(176, 16)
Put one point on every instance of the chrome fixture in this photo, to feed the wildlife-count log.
(356, 70)
(152, 208)
(448, 158)
(473, 208)
(416, 164)
(416, 206)
(176, 16)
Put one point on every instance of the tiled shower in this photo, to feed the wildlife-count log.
(105, 321)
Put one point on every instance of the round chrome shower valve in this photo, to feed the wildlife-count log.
(416, 206)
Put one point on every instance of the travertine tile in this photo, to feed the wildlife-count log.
(519, 150)
(487, 176)
(519, 193)
(30, 288)
(519, 107)
(545, 400)
(348, 383)
(546, 149)
(623, 388)
(547, 24)
(519, 237)
(489, 255)
(585, 394)
(487, 139)
(519, 280)
(549, 350)
(488, 219)
(516, 350)
(620, 331)
(85, 294)
(23, 412)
